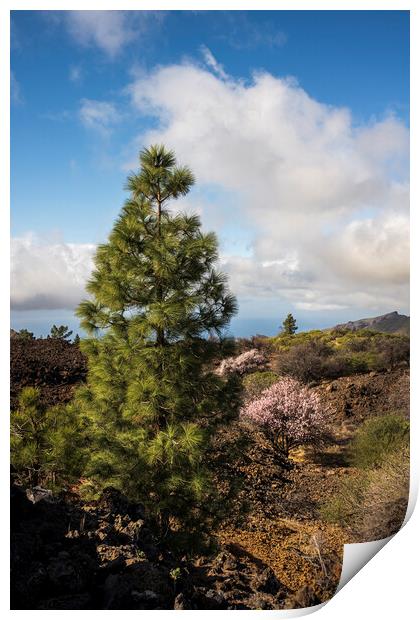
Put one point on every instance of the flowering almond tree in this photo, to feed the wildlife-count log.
(242, 364)
(290, 414)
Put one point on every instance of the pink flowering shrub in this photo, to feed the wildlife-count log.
(242, 364)
(290, 413)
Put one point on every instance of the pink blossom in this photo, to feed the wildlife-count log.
(242, 364)
(290, 413)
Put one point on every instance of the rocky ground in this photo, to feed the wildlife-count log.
(102, 555)
(54, 365)
(353, 399)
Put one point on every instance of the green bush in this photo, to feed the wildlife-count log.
(45, 443)
(343, 507)
(257, 382)
(329, 354)
(372, 504)
(377, 438)
(359, 362)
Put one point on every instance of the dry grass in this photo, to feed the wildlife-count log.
(372, 504)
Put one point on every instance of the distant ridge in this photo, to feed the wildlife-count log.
(390, 323)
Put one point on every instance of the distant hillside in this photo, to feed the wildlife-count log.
(391, 323)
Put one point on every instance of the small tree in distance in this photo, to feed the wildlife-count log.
(289, 325)
(61, 332)
(24, 334)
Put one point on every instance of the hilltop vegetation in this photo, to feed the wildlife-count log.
(321, 354)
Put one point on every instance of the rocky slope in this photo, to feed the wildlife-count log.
(391, 323)
(54, 365)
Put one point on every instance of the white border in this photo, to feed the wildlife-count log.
(386, 586)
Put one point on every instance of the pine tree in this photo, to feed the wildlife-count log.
(60, 333)
(289, 325)
(25, 334)
(151, 399)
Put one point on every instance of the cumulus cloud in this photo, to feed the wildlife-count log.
(313, 185)
(319, 205)
(47, 274)
(98, 115)
(110, 31)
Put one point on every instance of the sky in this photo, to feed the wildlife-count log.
(295, 123)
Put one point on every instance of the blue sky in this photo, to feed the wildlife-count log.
(295, 123)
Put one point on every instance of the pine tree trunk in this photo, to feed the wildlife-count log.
(160, 333)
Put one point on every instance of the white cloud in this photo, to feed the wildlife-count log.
(212, 63)
(47, 274)
(98, 115)
(320, 204)
(110, 31)
(315, 187)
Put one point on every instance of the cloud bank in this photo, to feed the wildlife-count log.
(322, 202)
(48, 275)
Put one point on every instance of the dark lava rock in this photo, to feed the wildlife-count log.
(57, 553)
(54, 365)
(103, 555)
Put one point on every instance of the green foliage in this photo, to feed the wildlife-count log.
(76, 340)
(373, 503)
(376, 438)
(314, 355)
(151, 401)
(44, 442)
(343, 507)
(61, 332)
(289, 325)
(24, 334)
(257, 382)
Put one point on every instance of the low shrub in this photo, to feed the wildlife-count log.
(304, 362)
(386, 496)
(372, 504)
(377, 438)
(344, 507)
(259, 342)
(257, 382)
(315, 355)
